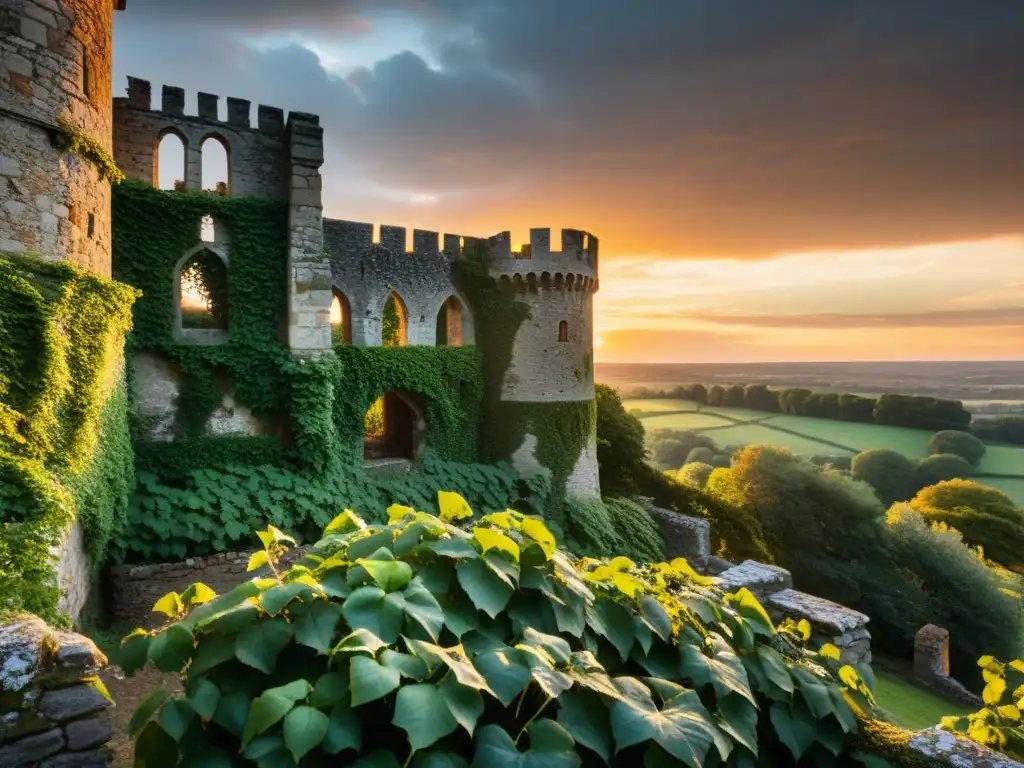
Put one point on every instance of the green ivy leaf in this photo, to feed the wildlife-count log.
(270, 706)
(614, 623)
(379, 758)
(146, 709)
(259, 645)
(211, 651)
(276, 598)
(724, 670)
(304, 729)
(369, 681)
(176, 717)
(775, 669)
(456, 659)
(814, 692)
(421, 712)
(204, 697)
(752, 611)
(505, 674)
(406, 664)
(369, 608)
(683, 728)
(656, 617)
(390, 575)
(738, 718)
(232, 712)
(154, 748)
(494, 747)
(795, 728)
(370, 544)
(487, 591)
(438, 759)
(454, 548)
(133, 653)
(170, 650)
(586, 719)
(331, 688)
(316, 625)
(465, 703)
(422, 607)
(344, 730)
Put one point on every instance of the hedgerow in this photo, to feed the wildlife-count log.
(416, 642)
(64, 452)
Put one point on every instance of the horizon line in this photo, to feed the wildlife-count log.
(809, 362)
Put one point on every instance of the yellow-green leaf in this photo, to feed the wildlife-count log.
(257, 560)
(496, 540)
(994, 691)
(199, 594)
(1017, 664)
(453, 507)
(346, 522)
(683, 568)
(621, 563)
(503, 520)
(536, 530)
(397, 511)
(829, 651)
(1009, 712)
(804, 628)
(626, 584)
(169, 605)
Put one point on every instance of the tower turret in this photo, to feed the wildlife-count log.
(56, 69)
(553, 351)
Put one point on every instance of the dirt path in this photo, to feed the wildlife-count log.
(127, 692)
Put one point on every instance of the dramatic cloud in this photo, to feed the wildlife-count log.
(693, 129)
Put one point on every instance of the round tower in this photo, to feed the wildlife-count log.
(553, 351)
(55, 71)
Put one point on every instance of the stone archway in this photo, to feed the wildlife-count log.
(394, 427)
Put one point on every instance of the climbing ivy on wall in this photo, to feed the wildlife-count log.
(64, 450)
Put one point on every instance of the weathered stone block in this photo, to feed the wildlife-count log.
(32, 749)
(97, 758)
(945, 748)
(827, 616)
(931, 653)
(685, 536)
(759, 578)
(71, 702)
(86, 734)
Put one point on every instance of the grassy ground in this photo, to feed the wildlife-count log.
(693, 420)
(915, 708)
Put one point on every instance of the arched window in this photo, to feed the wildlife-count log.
(169, 162)
(395, 322)
(203, 293)
(341, 318)
(207, 230)
(393, 427)
(216, 168)
(563, 331)
(450, 323)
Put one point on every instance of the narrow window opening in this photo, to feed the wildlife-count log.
(86, 75)
(169, 163)
(341, 319)
(563, 331)
(215, 165)
(394, 322)
(207, 231)
(92, 225)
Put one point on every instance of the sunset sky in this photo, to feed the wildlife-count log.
(787, 180)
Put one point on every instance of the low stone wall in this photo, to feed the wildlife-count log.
(931, 666)
(132, 590)
(943, 749)
(685, 536)
(50, 698)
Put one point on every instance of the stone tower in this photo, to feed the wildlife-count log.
(553, 351)
(55, 62)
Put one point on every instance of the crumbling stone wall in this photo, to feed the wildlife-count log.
(50, 698)
(931, 665)
(366, 273)
(258, 157)
(134, 589)
(55, 61)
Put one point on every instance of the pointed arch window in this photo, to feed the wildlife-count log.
(563, 331)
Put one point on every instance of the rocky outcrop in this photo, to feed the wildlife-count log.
(50, 698)
(845, 628)
(685, 536)
(761, 579)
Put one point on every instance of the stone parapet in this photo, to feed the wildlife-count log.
(50, 698)
(685, 536)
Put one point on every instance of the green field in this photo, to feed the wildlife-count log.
(694, 421)
(915, 708)
(809, 436)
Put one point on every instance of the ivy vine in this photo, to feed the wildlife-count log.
(73, 141)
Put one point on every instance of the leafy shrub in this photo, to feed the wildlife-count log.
(1000, 724)
(621, 455)
(844, 463)
(950, 495)
(597, 528)
(1004, 429)
(700, 454)
(890, 473)
(921, 412)
(671, 447)
(695, 474)
(759, 398)
(1000, 535)
(978, 605)
(962, 444)
(942, 467)
(419, 643)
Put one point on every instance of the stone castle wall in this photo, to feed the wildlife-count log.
(258, 157)
(55, 61)
(366, 273)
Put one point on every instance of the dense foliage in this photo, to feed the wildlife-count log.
(1003, 429)
(941, 467)
(1000, 724)
(611, 527)
(695, 474)
(986, 518)
(832, 534)
(890, 473)
(962, 444)
(64, 452)
(420, 643)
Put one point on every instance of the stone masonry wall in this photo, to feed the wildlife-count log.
(55, 60)
(134, 589)
(258, 158)
(366, 273)
(50, 698)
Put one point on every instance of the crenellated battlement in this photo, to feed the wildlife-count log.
(359, 237)
(536, 264)
(269, 120)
